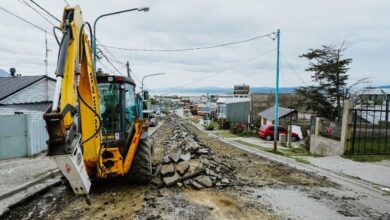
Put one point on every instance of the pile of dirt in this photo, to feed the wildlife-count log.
(189, 163)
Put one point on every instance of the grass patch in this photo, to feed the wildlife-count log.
(225, 134)
(301, 160)
(367, 158)
(292, 153)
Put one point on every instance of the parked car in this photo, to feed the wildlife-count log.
(267, 132)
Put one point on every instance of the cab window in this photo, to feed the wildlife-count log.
(129, 106)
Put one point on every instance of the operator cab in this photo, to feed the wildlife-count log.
(118, 109)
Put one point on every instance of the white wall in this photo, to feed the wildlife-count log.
(33, 93)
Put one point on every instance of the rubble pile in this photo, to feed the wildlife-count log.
(188, 163)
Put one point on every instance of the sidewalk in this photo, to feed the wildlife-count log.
(374, 172)
(21, 178)
(17, 171)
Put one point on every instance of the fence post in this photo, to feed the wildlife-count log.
(345, 127)
(318, 126)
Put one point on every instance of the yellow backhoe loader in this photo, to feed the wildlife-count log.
(95, 123)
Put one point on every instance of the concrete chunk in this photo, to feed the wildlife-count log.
(196, 185)
(175, 156)
(170, 180)
(182, 167)
(186, 156)
(204, 180)
(167, 170)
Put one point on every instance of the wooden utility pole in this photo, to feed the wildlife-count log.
(128, 69)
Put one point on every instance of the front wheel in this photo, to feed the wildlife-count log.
(268, 138)
(141, 168)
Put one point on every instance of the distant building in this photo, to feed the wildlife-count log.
(268, 115)
(374, 96)
(241, 89)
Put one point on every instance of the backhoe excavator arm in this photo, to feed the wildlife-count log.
(73, 122)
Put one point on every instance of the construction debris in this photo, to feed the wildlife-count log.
(189, 163)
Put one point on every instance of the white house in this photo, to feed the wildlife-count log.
(23, 100)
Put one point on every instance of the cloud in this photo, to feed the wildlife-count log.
(304, 24)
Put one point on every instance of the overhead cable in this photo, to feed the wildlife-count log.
(35, 10)
(292, 68)
(194, 48)
(28, 22)
(228, 69)
(47, 12)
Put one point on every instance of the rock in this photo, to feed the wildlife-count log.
(157, 181)
(204, 180)
(187, 182)
(186, 156)
(167, 170)
(196, 185)
(167, 159)
(179, 184)
(197, 166)
(210, 172)
(182, 167)
(202, 151)
(225, 181)
(193, 145)
(175, 156)
(170, 180)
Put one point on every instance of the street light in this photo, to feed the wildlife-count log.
(145, 9)
(142, 82)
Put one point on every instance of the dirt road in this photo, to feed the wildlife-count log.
(255, 188)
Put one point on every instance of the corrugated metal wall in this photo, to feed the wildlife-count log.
(21, 135)
(37, 136)
(238, 112)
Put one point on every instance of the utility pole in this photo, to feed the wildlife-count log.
(276, 124)
(46, 55)
(128, 69)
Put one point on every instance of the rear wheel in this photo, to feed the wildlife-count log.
(141, 168)
(293, 139)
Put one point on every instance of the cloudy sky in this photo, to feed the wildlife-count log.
(363, 25)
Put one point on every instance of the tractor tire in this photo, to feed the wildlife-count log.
(141, 168)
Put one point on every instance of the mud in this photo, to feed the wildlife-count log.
(262, 190)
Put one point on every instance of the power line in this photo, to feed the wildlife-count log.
(292, 68)
(228, 69)
(50, 14)
(28, 22)
(39, 13)
(194, 48)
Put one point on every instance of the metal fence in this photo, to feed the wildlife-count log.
(21, 135)
(331, 130)
(370, 133)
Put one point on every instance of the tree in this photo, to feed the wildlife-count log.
(329, 70)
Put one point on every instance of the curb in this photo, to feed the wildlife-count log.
(50, 174)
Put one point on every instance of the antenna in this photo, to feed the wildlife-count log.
(46, 54)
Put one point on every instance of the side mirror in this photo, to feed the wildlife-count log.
(146, 95)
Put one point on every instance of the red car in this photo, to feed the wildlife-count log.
(267, 132)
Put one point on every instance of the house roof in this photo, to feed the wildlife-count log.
(270, 112)
(11, 85)
(41, 106)
(225, 100)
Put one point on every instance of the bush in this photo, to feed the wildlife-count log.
(250, 133)
(223, 123)
(238, 128)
